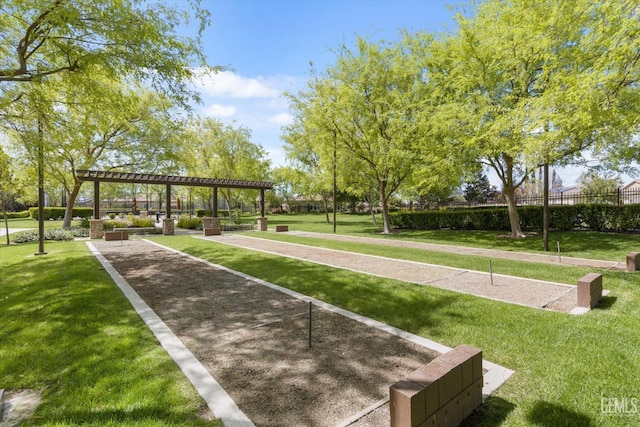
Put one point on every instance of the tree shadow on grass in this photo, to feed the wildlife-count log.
(493, 412)
(551, 414)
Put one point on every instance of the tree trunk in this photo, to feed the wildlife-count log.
(6, 217)
(71, 200)
(386, 223)
(514, 218)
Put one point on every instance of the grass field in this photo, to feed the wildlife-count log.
(69, 332)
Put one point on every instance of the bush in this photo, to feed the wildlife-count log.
(21, 214)
(142, 222)
(190, 223)
(110, 224)
(52, 234)
(58, 213)
(571, 217)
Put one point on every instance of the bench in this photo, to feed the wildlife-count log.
(589, 290)
(281, 228)
(443, 392)
(116, 235)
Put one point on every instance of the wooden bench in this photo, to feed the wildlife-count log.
(589, 290)
(281, 228)
(443, 393)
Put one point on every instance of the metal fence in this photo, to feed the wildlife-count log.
(618, 197)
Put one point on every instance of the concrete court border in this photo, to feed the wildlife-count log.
(495, 374)
(217, 399)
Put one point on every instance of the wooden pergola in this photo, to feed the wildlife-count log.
(169, 180)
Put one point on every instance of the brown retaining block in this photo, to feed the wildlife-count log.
(217, 231)
(281, 228)
(633, 261)
(589, 290)
(442, 393)
(116, 235)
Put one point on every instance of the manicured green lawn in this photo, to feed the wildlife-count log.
(32, 223)
(607, 246)
(565, 365)
(67, 331)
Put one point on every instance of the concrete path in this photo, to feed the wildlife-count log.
(516, 290)
(3, 231)
(550, 258)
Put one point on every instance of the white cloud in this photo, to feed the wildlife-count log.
(281, 119)
(220, 111)
(231, 85)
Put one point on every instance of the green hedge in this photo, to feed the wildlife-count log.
(21, 214)
(58, 212)
(570, 217)
(208, 213)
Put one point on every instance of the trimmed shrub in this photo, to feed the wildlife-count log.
(21, 214)
(570, 217)
(190, 223)
(58, 212)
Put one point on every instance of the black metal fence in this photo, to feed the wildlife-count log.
(558, 198)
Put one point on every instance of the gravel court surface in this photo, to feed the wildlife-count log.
(551, 258)
(254, 341)
(515, 290)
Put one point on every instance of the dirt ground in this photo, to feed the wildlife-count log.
(255, 341)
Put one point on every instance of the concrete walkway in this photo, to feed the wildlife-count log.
(515, 290)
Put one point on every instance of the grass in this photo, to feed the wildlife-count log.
(594, 245)
(565, 365)
(32, 223)
(68, 332)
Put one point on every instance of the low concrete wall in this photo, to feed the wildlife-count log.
(116, 235)
(442, 393)
(633, 261)
(589, 290)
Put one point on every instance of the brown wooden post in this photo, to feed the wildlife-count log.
(215, 202)
(96, 199)
(262, 202)
(168, 200)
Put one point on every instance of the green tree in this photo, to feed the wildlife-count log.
(6, 185)
(523, 83)
(599, 189)
(479, 189)
(113, 126)
(225, 151)
(371, 107)
(132, 37)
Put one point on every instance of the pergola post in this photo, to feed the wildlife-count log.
(168, 226)
(215, 202)
(262, 202)
(96, 230)
(96, 199)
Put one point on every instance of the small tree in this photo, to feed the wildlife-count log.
(598, 189)
(479, 189)
(6, 178)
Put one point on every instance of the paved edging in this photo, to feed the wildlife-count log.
(494, 376)
(211, 391)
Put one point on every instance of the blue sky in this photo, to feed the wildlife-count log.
(268, 45)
